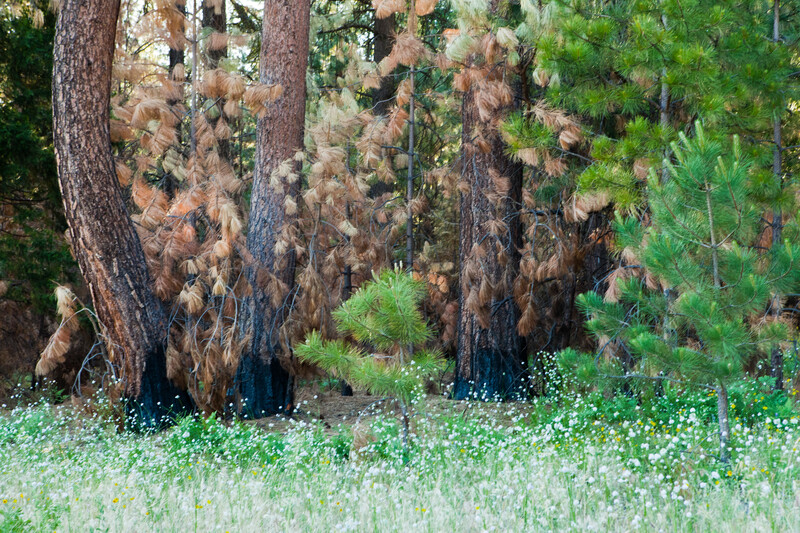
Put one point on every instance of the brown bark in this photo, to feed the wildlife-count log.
(104, 241)
(489, 360)
(264, 384)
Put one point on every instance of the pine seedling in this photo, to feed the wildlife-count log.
(388, 357)
(697, 315)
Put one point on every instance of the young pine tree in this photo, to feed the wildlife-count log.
(385, 320)
(702, 246)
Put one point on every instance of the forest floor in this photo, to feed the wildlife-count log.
(567, 462)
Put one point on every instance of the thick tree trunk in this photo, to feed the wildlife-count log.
(489, 362)
(103, 237)
(263, 383)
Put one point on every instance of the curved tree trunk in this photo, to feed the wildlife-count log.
(489, 360)
(103, 237)
(264, 385)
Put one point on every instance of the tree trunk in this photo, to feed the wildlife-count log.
(383, 40)
(177, 56)
(776, 359)
(103, 238)
(489, 361)
(215, 18)
(263, 383)
(383, 34)
(347, 290)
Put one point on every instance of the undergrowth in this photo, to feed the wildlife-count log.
(589, 461)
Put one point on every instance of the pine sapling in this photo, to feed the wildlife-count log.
(388, 356)
(702, 249)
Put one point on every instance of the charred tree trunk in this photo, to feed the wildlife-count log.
(264, 384)
(489, 361)
(103, 238)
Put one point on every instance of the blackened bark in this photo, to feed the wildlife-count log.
(104, 241)
(263, 384)
(489, 362)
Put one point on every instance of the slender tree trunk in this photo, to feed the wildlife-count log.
(724, 423)
(383, 35)
(264, 385)
(104, 241)
(347, 290)
(489, 361)
(177, 56)
(412, 28)
(216, 19)
(776, 362)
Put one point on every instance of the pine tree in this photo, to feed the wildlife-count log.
(390, 359)
(702, 245)
(490, 360)
(103, 238)
(263, 383)
(33, 251)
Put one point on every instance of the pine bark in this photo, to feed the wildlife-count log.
(103, 238)
(264, 385)
(489, 362)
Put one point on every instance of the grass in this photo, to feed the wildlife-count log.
(571, 462)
